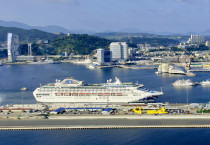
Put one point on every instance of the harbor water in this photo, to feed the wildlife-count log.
(107, 136)
(15, 77)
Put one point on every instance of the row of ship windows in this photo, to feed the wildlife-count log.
(42, 94)
(88, 97)
(83, 90)
(89, 94)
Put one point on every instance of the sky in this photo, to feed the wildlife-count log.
(176, 16)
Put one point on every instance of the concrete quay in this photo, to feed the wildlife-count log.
(23, 120)
(130, 117)
(101, 127)
(101, 123)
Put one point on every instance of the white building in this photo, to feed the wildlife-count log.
(124, 54)
(29, 49)
(208, 44)
(196, 39)
(115, 48)
(103, 56)
(100, 55)
(119, 50)
(12, 46)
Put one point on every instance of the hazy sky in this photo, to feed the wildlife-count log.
(114, 15)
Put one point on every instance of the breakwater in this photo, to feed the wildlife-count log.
(113, 123)
(103, 127)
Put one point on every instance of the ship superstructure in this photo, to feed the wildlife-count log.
(72, 90)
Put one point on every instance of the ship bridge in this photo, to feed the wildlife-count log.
(69, 82)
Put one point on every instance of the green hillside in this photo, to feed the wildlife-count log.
(122, 35)
(78, 44)
(32, 35)
(152, 41)
(144, 38)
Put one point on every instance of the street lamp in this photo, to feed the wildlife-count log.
(22, 90)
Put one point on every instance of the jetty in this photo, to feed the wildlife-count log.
(199, 70)
(108, 123)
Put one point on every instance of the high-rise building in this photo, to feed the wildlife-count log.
(196, 39)
(130, 52)
(29, 50)
(115, 48)
(124, 54)
(100, 55)
(103, 56)
(208, 44)
(119, 50)
(13, 47)
(107, 56)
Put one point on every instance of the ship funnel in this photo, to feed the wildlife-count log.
(117, 80)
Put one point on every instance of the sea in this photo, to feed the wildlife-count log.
(15, 77)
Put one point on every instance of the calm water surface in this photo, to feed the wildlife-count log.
(107, 136)
(14, 77)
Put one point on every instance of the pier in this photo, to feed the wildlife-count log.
(103, 127)
(83, 116)
(103, 124)
(199, 70)
(136, 67)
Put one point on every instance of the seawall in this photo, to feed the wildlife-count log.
(101, 123)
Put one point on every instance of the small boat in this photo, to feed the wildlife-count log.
(1, 63)
(158, 72)
(190, 74)
(205, 83)
(24, 89)
(47, 61)
(85, 61)
(183, 83)
(92, 66)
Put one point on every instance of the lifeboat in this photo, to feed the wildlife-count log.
(58, 94)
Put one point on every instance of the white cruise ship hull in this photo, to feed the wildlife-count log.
(73, 91)
(94, 99)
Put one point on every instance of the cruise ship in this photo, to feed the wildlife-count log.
(72, 90)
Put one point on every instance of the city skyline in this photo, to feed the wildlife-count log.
(175, 16)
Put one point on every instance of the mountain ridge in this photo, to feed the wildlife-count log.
(49, 28)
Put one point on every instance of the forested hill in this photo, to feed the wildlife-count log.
(144, 38)
(75, 43)
(31, 35)
(79, 44)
